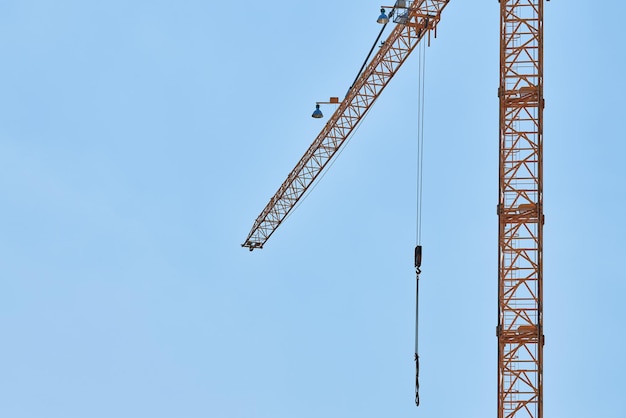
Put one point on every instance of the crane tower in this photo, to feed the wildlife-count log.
(520, 210)
(520, 201)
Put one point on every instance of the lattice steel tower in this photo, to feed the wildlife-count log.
(520, 210)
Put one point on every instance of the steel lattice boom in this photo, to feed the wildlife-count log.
(520, 211)
(413, 24)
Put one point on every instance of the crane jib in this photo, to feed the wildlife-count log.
(416, 22)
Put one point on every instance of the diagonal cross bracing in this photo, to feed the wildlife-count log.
(520, 211)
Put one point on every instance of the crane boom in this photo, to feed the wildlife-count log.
(413, 23)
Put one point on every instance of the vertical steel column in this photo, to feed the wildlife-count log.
(520, 211)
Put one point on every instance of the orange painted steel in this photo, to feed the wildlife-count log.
(520, 211)
(414, 23)
(520, 205)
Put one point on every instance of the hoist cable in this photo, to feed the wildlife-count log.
(419, 185)
(420, 138)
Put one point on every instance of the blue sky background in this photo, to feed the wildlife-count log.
(139, 140)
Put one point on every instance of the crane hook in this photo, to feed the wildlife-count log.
(418, 264)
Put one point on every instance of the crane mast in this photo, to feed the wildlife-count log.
(414, 22)
(520, 211)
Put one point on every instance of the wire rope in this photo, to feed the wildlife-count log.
(419, 186)
(420, 139)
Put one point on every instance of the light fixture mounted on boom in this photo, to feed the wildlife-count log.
(317, 113)
(383, 18)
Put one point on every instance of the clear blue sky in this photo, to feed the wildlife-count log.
(140, 139)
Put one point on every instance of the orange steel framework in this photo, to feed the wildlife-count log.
(414, 23)
(520, 205)
(520, 210)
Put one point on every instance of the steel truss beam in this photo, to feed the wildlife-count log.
(418, 21)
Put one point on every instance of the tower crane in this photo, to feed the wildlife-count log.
(519, 327)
